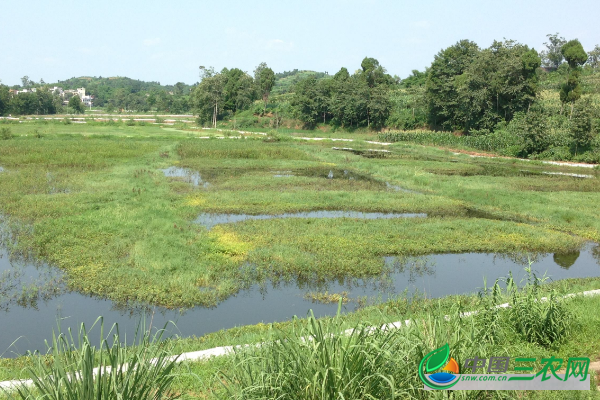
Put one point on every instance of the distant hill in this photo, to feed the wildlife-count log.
(111, 88)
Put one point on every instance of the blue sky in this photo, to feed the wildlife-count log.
(166, 41)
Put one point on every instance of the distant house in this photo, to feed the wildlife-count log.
(86, 99)
(32, 90)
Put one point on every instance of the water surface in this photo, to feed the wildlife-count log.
(209, 220)
(187, 175)
(435, 275)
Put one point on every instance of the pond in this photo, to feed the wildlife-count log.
(187, 175)
(32, 321)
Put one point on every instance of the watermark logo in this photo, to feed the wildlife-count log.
(439, 371)
(434, 361)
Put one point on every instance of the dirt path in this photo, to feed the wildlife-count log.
(488, 155)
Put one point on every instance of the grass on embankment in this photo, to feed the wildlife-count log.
(101, 209)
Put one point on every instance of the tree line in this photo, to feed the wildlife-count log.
(112, 94)
(466, 89)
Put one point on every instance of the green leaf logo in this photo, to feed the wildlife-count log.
(438, 358)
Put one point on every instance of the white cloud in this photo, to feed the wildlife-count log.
(280, 45)
(152, 42)
(420, 24)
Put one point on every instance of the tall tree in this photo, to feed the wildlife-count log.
(4, 99)
(415, 79)
(570, 91)
(178, 89)
(582, 128)
(377, 81)
(265, 80)
(594, 57)
(304, 102)
(25, 81)
(552, 57)
(500, 82)
(208, 97)
(443, 107)
(76, 105)
(373, 73)
(238, 88)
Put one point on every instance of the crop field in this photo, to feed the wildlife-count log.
(95, 202)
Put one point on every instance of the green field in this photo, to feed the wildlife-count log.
(93, 201)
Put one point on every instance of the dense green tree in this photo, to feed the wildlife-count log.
(532, 128)
(573, 53)
(373, 73)
(209, 96)
(441, 90)
(415, 79)
(219, 94)
(570, 91)
(342, 75)
(178, 89)
(265, 79)
(324, 90)
(46, 102)
(24, 104)
(377, 101)
(355, 98)
(499, 82)
(4, 99)
(239, 89)
(552, 57)
(582, 129)
(305, 103)
(378, 107)
(76, 105)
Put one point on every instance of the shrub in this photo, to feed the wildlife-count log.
(556, 154)
(5, 133)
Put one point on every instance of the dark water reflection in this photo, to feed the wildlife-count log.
(436, 275)
(566, 260)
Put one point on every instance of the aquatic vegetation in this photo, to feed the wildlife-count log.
(326, 297)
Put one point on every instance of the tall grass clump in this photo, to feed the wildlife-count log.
(533, 318)
(542, 321)
(320, 360)
(78, 370)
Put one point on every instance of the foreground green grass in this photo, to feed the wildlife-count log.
(98, 206)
